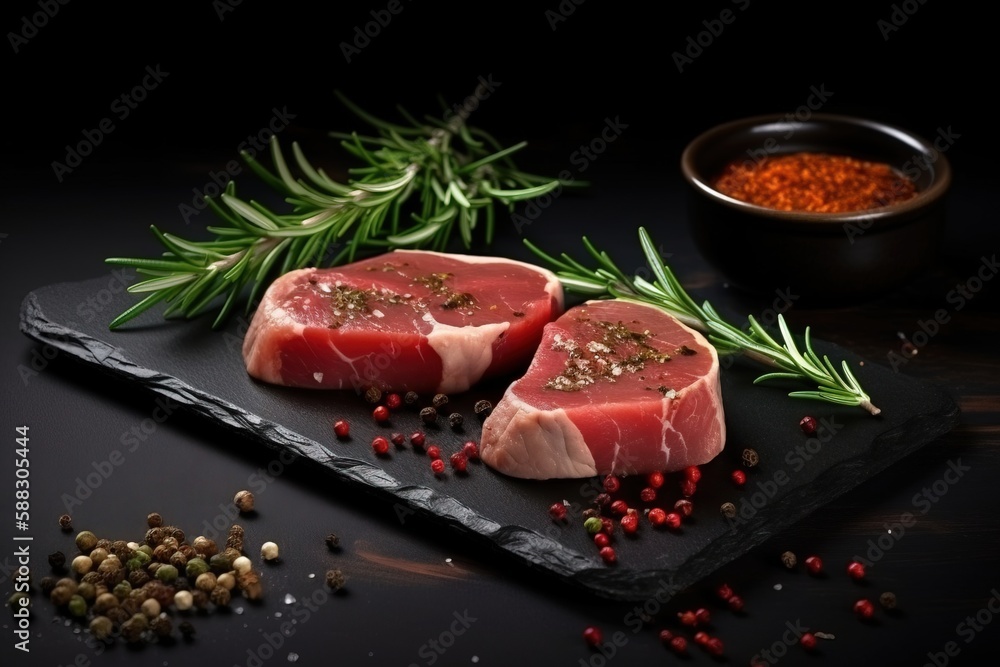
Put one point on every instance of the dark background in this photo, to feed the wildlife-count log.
(556, 89)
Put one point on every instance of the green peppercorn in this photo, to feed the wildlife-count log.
(221, 562)
(122, 590)
(19, 600)
(166, 573)
(77, 606)
(195, 567)
(85, 541)
(145, 549)
(593, 525)
(101, 627)
(87, 591)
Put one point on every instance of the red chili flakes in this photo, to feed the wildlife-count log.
(815, 183)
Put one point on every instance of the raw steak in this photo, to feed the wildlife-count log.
(615, 387)
(405, 320)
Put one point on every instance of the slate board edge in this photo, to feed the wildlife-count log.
(525, 545)
(528, 546)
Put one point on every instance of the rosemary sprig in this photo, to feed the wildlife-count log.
(456, 173)
(666, 292)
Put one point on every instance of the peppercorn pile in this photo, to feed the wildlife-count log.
(136, 590)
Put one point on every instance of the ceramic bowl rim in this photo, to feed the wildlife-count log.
(939, 185)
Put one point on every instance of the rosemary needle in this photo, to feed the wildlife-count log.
(666, 292)
(418, 185)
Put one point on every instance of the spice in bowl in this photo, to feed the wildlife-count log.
(815, 183)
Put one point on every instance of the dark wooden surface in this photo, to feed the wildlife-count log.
(410, 582)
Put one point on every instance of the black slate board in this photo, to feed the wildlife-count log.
(202, 371)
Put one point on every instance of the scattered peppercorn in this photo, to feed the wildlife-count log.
(593, 525)
(678, 644)
(428, 415)
(648, 494)
(85, 541)
(856, 570)
(154, 520)
(397, 439)
(688, 488)
(808, 425)
(864, 609)
(808, 641)
(66, 522)
(411, 398)
(735, 603)
(593, 636)
(602, 540)
(739, 477)
(373, 394)
(187, 630)
(269, 551)
(335, 579)
(244, 501)
(728, 510)
(657, 517)
(684, 507)
(437, 466)
(612, 484)
(602, 499)
(558, 511)
(750, 457)
(235, 538)
(332, 541)
(381, 414)
(887, 600)
(439, 400)
(693, 474)
(789, 560)
(57, 560)
(471, 450)
(455, 420)
(814, 564)
(393, 401)
(417, 439)
(630, 523)
(380, 445)
(434, 452)
(342, 428)
(482, 408)
(688, 618)
(608, 555)
(673, 521)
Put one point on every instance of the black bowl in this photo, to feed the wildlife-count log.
(824, 257)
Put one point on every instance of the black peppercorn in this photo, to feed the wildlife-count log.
(335, 579)
(57, 560)
(411, 398)
(728, 510)
(789, 560)
(589, 512)
(428, 415)
(456, 420)
(482, 408)
(187, 630)
(887, 600)
(161, 626)
(602, 499)
(235, 538)
(373, 394)
(66, 522)
(439, 400)
(138, 577)
(332, 541)
(750, 457)
(154, 520)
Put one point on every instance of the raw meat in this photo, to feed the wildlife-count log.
(406, 320)
(615, 388)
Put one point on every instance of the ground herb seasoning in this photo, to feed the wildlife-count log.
(815, 183)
